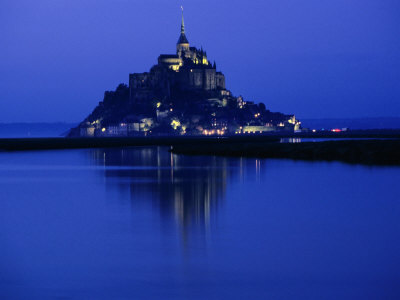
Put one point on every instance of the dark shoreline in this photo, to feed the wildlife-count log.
(368, 152)
(24, 144)
(382, 147)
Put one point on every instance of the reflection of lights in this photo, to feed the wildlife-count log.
(290, 140)
(258, 168)
(190, 195)
(172, 167)
(336, 130)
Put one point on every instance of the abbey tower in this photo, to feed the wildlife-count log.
(187, 70)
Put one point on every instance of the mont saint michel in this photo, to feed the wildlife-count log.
(183, 94)
(177, 182)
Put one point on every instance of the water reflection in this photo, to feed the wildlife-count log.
(109, 224)
(187, 190)
(291, 140)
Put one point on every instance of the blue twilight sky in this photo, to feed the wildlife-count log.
(313, 58)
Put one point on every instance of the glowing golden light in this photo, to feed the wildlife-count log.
(214, 132)
(175, 123)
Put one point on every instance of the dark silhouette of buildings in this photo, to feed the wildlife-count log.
(183, 94)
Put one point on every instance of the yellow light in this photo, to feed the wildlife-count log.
(158, 104)
(103, 129)
(175, 124)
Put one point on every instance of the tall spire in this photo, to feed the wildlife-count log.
(183, 23)
(183, 42)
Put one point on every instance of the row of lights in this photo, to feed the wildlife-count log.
(214, 132)
(332, 130)
(247, 132)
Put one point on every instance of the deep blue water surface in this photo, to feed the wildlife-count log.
(141, 223)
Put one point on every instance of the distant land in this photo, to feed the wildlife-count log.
(34, 130)
(352, 123)
(26, 130)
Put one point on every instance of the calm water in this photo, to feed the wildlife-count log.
(144, 224)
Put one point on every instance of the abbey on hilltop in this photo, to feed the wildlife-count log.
(183, 94)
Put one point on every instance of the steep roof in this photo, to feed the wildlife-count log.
(183, 39)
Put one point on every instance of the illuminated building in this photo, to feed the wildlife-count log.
(183, 94)
(188, 69)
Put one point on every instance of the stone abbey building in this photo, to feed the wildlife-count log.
(188, 69)
(183, 94)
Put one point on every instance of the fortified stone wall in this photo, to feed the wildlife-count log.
(160, 78)
(220, 81)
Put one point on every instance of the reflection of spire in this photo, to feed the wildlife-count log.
(182, 190)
